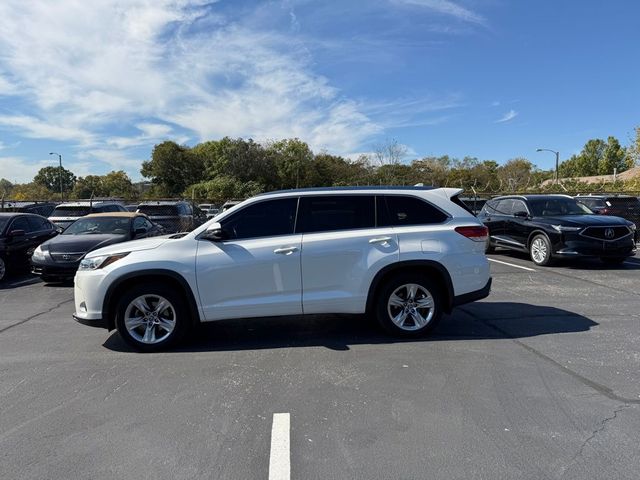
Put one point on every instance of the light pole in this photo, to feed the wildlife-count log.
(557, 159)
(60, 159)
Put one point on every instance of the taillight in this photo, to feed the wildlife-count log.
(477, 233)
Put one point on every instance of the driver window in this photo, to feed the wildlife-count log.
(264, 219)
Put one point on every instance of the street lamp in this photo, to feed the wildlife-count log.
(60, 159)
(557, 158)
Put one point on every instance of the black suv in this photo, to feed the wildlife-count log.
(174, 216)
(556, 226)
(624, 206)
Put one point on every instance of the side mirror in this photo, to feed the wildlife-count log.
(59, 229)
(215, 233)
(16, 233)
(521, 214)
(140, 231)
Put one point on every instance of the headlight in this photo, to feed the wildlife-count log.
(39, 254)
(100, 261)
(562, 228)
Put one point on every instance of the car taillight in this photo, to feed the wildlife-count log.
(477, 233)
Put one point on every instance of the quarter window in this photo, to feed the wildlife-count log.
(264, 219)
(336, 212)
(405, 210)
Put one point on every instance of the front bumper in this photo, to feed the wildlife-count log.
(91, 322)
(576, 245)
(57, 270)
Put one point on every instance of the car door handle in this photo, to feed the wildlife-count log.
(380, 240)
(285, 250)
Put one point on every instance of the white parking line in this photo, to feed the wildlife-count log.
(511, 264)
(279, 459)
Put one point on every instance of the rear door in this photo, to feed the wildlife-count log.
(342, 249)
(517, 228)
(19, 246)
(256, 271)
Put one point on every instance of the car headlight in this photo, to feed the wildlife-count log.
(39, 254)
(101, 261)
(562, 228)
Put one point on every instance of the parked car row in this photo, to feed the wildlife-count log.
(549, 227)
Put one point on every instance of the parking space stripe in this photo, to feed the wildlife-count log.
(511, 264)
(280, 456)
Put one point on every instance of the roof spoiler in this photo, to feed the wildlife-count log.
(451, 192)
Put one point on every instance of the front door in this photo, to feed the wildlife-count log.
(256, 271)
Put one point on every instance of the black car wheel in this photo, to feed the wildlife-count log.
(409, 305)
(540, 250)
(613, 260)
(151, 317)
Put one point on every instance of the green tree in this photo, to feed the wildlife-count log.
(88, 186)
(292, 159)
(5, 188)
(516, 174)
(221, 189)
(49, 178)
(31, 191)
(117, 184)
(613, 158)
(172, 168)
(632, 157)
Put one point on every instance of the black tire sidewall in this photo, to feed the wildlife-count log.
(549, 257)
(390, 285)
(179, 305)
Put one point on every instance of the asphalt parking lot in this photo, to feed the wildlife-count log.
(540, 380)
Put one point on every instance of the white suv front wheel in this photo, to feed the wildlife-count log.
(151, 317)
(409, 305)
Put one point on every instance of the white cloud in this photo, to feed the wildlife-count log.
(86, 68)
(447, 7)
(507, 117)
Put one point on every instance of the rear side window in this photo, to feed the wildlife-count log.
(405, 210)
(21, 223)
(336, 212)
(265, 219)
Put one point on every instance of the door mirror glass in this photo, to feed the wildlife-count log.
(215, 233)
(521, 214)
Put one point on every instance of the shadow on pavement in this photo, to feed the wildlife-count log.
(477, 321)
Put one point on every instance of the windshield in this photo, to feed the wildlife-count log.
(70, 212)
(99, 225)
(158, 210)
(550, 207)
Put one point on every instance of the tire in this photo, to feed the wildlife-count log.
(488, 247)
(3, 269)
(394, 300)
(613, 260)
(540, 251)
(151, 330)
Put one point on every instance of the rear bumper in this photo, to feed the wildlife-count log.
(473, 296)
(95, 322)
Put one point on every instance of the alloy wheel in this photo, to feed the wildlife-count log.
(411, 307)
(539, 250)
(150, 319)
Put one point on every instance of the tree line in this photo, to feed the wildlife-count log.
(218, 170)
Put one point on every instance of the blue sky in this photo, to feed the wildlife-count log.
(102, 82)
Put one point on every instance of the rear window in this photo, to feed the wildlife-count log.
(159, 210)
(405, 210)
(63, 211)
(623, 202)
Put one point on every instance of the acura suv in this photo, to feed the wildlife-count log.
(403, 255)
(556, 226)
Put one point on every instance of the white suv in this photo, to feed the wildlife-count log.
(404, 255)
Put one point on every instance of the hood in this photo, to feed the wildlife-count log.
(133, 245)
(81, 243)
(583, 220)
